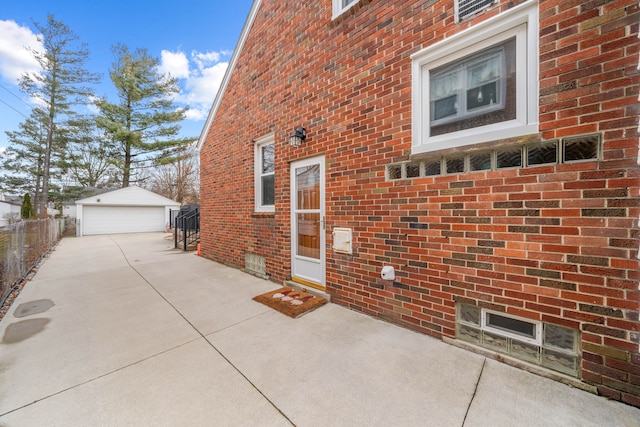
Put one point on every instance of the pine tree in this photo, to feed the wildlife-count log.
(89, 155)
(26, 211)
(24, 158)
(144, 123)
(59, 85)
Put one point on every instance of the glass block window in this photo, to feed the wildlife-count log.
(551, 346)
(469, 314)
(394, 171)
(543, 153)
(432, 168)
(480, 162)
(509, 158)
(560, 338)
(255, 264)
(413, 170)
(574, 149)
(580, 148)
(455, 165)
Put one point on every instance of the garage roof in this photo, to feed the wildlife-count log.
(129, 196)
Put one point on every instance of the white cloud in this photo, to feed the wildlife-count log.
(15, 59)
(202, 59)
(174, 63)
(199, 75)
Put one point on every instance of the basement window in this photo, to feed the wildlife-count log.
(510, 326)
(551, 346)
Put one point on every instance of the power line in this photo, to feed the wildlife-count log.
(14, 109)
(15, 96)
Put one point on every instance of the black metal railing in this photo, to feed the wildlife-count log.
(186, 228)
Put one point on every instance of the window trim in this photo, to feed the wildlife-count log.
(338, 9)
(259, 143)
(521, 22)
(486, 326)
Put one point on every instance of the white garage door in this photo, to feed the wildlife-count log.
(122, 219)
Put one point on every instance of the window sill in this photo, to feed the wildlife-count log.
(257, 214)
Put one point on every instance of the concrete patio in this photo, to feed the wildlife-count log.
(135, 333)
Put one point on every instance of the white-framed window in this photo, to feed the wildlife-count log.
(478, 85)
(265, 174)
(340, 6)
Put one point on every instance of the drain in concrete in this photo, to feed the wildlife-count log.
(20, 331)
(33, 307)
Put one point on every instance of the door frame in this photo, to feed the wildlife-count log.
(298, 263)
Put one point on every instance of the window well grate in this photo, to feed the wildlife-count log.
(466, 8)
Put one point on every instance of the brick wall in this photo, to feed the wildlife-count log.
(555, 243)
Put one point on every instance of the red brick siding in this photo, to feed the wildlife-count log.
(551, 243)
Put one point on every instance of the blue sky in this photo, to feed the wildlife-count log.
(194, 40)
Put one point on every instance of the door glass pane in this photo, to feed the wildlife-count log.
(309, 235)
(308, 187)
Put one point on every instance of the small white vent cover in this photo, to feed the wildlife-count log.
(466, 8)
(342, 238)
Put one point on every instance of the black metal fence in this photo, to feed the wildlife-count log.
(186, 226)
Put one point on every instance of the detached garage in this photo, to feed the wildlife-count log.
(127, 210)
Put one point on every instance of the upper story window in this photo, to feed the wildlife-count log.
(265, 174)
(340, 6)
(478, 85)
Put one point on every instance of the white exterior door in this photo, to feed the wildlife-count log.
(307, 222)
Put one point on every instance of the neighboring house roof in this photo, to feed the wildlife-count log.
(16, 200)
(89, 191)
(227, 75)
(129, 196)
(7, 202)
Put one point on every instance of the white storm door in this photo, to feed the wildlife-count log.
(307, 222)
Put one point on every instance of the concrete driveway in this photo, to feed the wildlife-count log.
(123, 330)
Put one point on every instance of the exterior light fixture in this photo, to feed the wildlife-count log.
(299, 135)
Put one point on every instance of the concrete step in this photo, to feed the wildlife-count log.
(309, 289)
